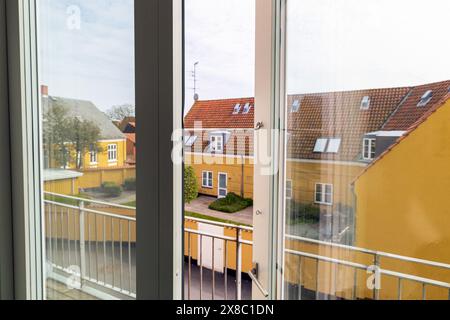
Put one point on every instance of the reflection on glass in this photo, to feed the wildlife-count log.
(367, 157)
(86, 52)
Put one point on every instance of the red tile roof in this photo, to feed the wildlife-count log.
(131, 137)
(325, 115)
(408, 112)
(338, 115)
(240, 142)
(218, 114)
(438, 104)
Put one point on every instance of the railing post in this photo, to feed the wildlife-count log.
(376, 287)
(82, 243)
(238, 265)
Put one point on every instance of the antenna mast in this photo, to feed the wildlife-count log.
(194, 75)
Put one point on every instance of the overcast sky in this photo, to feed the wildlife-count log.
(332, 45)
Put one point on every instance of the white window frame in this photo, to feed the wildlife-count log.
(113, 152)
(323, 194)
(365, 103)
(159, 267)
(319, 143)
(93, 157)
(214, 143)
(367, 153)
(209, 179)
(338, 142)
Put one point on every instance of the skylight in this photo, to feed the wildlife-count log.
(190, 140)
(295, 106)
(237, 109)
(427, 96)
(321, 145)
(247, 108)
(334, 145)
(365, 103)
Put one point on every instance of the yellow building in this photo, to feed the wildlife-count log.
(106, 160)
(219, 146)
(402, 201)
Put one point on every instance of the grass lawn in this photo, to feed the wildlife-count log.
(130, 204)
(63, 200)
(203, 217)
(231, 203)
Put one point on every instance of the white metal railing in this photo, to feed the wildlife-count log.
(375, 267)
(92, 244)
(98, 246)
(202, 236)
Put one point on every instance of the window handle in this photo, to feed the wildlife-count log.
(259, 125)
(253, 274)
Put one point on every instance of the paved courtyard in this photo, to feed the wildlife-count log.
(200, 205)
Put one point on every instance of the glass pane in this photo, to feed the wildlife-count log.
(365, 74)
(220, 62)
(86, 63)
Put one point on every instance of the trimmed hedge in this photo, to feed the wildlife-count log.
(112, 189)
(130, 184)
(306, 213)
(231, 203)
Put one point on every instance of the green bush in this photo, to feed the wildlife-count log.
(190, 185)
(112, 189)
(303, 213)
(231, 203)
(130, 184)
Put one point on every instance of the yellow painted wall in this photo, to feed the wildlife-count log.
(65, 187)
(403, 203)
(102, 157)
(230, 165)
(305, 175)
(94, 178)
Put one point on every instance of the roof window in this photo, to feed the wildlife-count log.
(426, 98)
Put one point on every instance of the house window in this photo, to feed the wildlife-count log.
(190, 140)
(324, 145)
(217, 143)
(112, 152)
(324, 194)
(365, 103)
(237, 108)
(295, 106)
(288, 189)
(427, 96)
(247, 108)
(321, 145)
(369, 149)
(207, 179)
(334, 145)
(93, 156)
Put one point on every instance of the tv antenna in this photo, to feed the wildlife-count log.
(194, 76)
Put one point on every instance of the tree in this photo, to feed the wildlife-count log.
(190, 185)
(56, 136)
(121, 112)
(68, 138)
(83, 138)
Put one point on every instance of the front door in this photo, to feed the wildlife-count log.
(223, 185)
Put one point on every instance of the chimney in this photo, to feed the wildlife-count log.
(44, 91)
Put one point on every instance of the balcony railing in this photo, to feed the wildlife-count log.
(94, 242)
(379, 265)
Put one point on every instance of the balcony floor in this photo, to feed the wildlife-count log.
(59, 291)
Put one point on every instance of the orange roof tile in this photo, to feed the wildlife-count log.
(218, 114)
